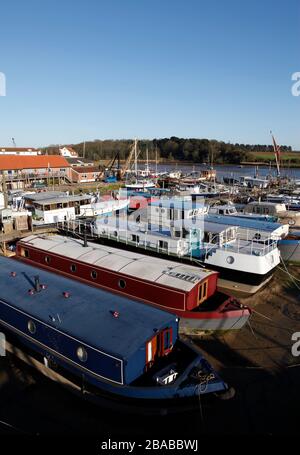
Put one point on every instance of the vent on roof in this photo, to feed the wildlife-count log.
(183, 276)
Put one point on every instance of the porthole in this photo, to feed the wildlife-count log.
(31, 327)
(81, 354)
(47, 259)
(230, 260)
(94, 274)
(122, 284)
(73, 268)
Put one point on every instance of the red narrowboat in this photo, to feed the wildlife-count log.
(188, 291)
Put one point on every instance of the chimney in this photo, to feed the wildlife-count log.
(37, 285)
(85, 239)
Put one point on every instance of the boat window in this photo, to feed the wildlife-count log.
(31, 327)
(47, 259)
(25, 253)
(94, 274)
(135, 238)
(73, 268)
(122, 284)
(166, 341)
(81, 354)
(221, 212)
(230, 260)
(203, 288)
(163, 245)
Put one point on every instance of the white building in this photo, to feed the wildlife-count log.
(29, 151)
(68, 152)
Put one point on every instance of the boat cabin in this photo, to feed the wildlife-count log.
(172, 286)
(52, 208)
(166, 211)
(101, 335)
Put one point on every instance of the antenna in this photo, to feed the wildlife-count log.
(13, 141)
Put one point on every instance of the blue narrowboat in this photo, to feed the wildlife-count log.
(103, 346)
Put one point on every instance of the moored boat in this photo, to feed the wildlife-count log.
(100, 345)
(187, 291)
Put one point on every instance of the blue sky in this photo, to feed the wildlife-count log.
(84, 70)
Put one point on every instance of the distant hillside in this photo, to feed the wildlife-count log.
(174, 148)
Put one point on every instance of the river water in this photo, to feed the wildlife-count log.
(233, 171)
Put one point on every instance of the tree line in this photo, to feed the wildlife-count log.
(171, 149)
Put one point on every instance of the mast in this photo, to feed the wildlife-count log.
(277, 152)
(135, 159)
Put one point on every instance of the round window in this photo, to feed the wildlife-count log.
(47, 259)
(94, 274)
(73, 268)
(31, 327)
(230, 260)
(122, 284)
(82, 354)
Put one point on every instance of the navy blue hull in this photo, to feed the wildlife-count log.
(175, 397)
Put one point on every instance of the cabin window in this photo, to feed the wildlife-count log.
(221, 212)
(73, 268)
(165, 341)
(94, 274)
(47, 259)
(171, 214)
(31, 327)
(203, 288)
(230, 260)
(135, 238)
(163, 245)
(122, 284)
(81, 354)
(25, 253)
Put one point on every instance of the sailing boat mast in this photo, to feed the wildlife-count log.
(277, 152)
(135, 159)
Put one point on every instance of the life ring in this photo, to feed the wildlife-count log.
(291, 222)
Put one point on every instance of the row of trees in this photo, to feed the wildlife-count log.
(173, 148)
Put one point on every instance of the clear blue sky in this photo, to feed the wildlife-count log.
(123, 68)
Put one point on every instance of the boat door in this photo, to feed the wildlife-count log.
(151, 351)
(202, 291)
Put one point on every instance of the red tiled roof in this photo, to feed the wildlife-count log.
(19, 162)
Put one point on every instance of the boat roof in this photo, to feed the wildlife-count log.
(56, 198)
(167, 273)
(266, 203)
(62, 199)
(203, 224)
(87, 314)
(177, 204)
(240, 221)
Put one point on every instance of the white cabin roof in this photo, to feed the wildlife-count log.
(178, 276)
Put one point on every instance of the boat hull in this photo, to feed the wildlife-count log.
(290, 250)
(134, 399)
